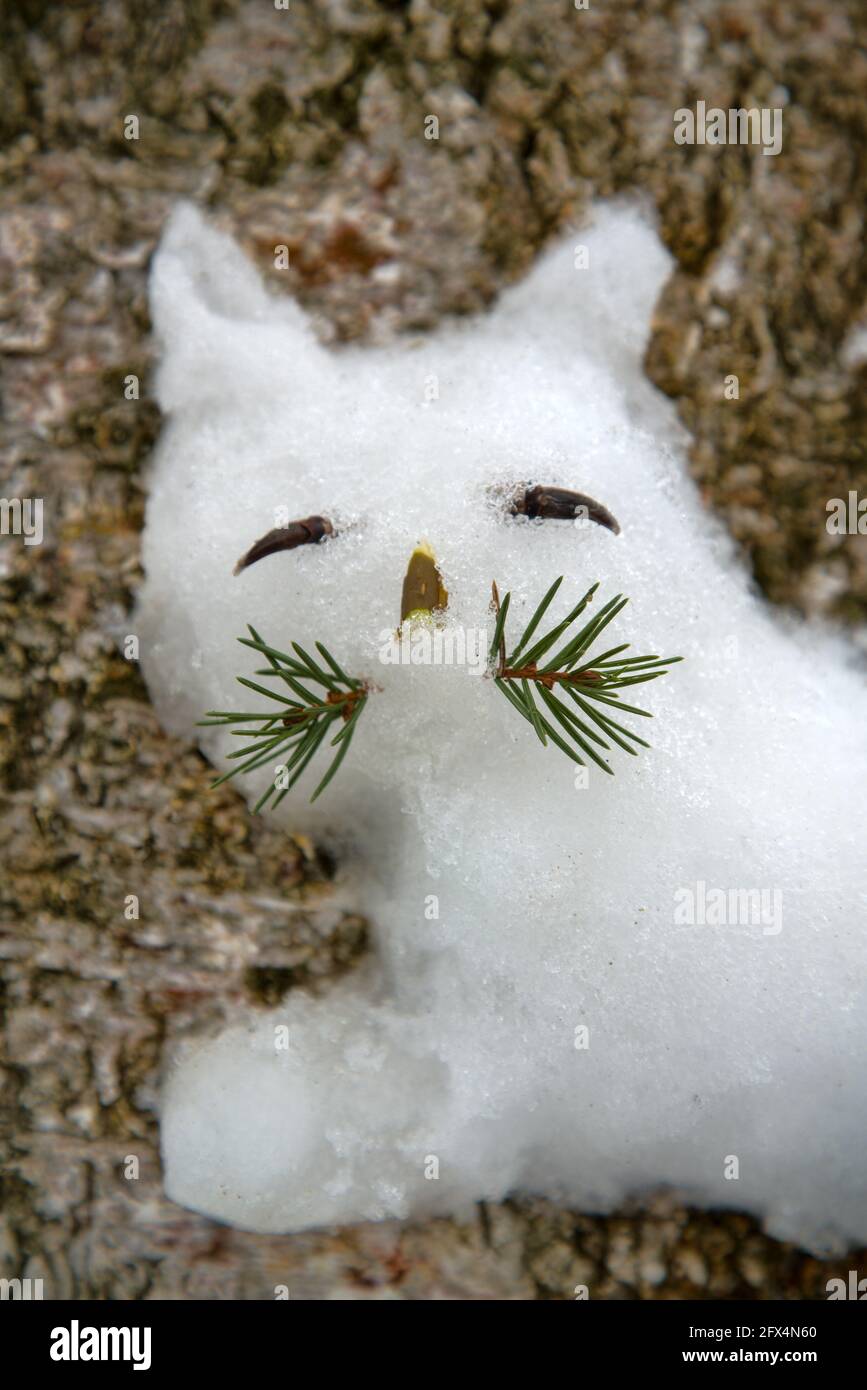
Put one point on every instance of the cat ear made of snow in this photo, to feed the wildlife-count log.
(222, 336)
(612, 268)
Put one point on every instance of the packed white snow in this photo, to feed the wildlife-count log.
(590, 992)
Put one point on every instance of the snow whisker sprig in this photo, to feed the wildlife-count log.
(588, 683)
(301, 724)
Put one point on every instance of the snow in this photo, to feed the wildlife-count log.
(511, 906)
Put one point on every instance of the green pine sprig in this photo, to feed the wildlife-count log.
(590, 685)
(301, 723)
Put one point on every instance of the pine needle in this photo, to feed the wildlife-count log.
(290, 737)
(519, 677)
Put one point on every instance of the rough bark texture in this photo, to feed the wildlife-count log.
(305, 128)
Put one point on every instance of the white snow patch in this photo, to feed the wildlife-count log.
(557, 905)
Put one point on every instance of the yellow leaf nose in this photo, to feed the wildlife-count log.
(423, 588)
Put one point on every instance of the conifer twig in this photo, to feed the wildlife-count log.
(590, 684)
(301, 722)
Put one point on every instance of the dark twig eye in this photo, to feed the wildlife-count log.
(560, 504)
(306, 532)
